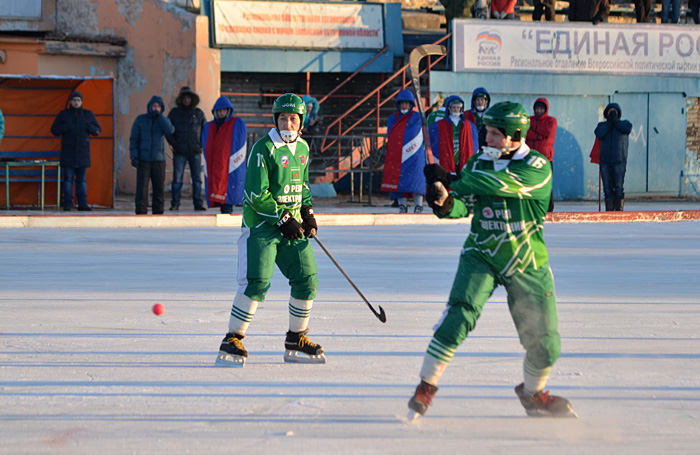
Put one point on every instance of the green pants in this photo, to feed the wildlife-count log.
(260, 248)
(531, 301)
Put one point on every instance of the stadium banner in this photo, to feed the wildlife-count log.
(513, 46)
(302, 25)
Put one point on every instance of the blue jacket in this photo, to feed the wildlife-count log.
(613, 135)
(75, 126)
(147, 140)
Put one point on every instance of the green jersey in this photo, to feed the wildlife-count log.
(277, 178)
(509, 199)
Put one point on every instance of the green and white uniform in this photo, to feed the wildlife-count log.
(277, 178)
(509, 199)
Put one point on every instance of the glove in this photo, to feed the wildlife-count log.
(596, 21)
(290, 228)
(308, 221)
(135, 162)
(436, 173)
(439, 199)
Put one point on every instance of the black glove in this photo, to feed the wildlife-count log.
(432, 195)
(612, 116)
(291, 229)
(436, 173)
(308, 221)
(135, 162)
(596, 21)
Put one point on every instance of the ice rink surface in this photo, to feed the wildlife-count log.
(86, 368)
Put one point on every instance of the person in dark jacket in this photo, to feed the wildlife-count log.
(613, 135)
(75, 125)
(147, 152)
(186, 142)
(542, 133)
(594, 11)
(544, 8)
(642, 8)
(481, 100)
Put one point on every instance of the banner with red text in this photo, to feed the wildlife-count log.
(511, 46)
(305, 25)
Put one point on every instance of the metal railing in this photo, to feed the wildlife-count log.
(379, 102)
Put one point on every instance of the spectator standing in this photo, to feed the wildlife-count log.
(642, 9)
(457, 9)
(75, 125)
(594, 11)
(481, 100)
(480, 9)
(546, 8)
(694, 6)
(147, 152)
(613, 135)
(503, 9)
(278, 219)
(542, 134)
(405, 154)
(188, 121)
(453, 139)
(225, 145)
(506, 187)
(670, 11)
(311, 120)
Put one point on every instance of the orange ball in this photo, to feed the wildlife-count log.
(158, 309)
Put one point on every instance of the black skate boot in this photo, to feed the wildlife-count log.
(232, 353)
(300, 349)
(420, 401)
(542, 404)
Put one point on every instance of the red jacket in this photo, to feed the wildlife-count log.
(507, 6)
(542, 132)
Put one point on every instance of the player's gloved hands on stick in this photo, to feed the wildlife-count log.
(308, 221)
(439, 199)
(290, 228)
(436, 173)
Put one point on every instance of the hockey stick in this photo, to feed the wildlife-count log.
(381, 315)
(414, 59)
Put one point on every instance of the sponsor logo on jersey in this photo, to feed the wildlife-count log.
(286, 189)
(296, 175)
(302, 158)
(487, 212)
(285, 161)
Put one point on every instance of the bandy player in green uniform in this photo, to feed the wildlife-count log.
(507, 186)
(278, 218)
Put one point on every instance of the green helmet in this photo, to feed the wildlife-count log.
(289, 102)
(511, 118)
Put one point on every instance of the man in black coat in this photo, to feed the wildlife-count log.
(613, 135)
(186, 142)
(75, 125)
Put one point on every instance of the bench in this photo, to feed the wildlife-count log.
(23, 167)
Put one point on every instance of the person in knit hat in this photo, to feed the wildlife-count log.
(75, 125)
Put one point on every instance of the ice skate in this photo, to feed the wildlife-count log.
(299, 349)
(420, 401)
(232, 353)
(542, 404)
